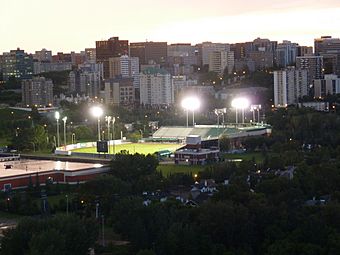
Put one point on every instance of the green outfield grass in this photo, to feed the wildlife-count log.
(132, 148)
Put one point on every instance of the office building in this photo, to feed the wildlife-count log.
(109, 49)
(90, 55)
(37, 91)
(149, 52)
(329, 48)
(156, 87)
(290, 84)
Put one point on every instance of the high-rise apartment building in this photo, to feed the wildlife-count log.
(119, 91)
(109, 49)
(290, 84)
(208, 48)
(43, 55)
(125, 67)
(220, 60)
(17, 63)
(314, 65)
(156, 87)
(149, 52)
(286, 53)
(329, 85)
(37, 91)
(85, 82)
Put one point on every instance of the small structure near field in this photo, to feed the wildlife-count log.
(193, 154)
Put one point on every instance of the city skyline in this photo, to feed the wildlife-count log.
(74, 26)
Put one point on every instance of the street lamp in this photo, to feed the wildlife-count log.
(240, 103)
(57, 117)
(191, 104)
(64, 120)
(97, 112)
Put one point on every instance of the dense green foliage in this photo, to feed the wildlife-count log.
(59, 235)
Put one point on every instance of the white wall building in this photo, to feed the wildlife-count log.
(289, 85)
(156, 87)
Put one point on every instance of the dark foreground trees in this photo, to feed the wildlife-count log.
(66, 235)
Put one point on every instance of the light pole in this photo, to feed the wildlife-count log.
(73, 138)
(64, 120)
(191, 104)
(108, 120)
(57, 117)
(97, 112)
(240, 103)
(66, 204)
(257, 108)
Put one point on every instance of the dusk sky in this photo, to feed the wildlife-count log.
(65, 25)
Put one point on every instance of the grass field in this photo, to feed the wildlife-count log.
(132, 148)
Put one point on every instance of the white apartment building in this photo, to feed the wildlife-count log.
(156, 87)
(290, 84)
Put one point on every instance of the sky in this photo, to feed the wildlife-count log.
(73, 25)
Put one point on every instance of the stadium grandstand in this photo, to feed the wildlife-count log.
(210, 132)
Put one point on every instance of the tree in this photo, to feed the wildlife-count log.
(131, 167)
(224, 143)
(66, 235)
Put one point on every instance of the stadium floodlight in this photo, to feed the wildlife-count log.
(57, 117)
(191, 104)
(257, 108)
(97, 112)
(64, 120)
(240, 103)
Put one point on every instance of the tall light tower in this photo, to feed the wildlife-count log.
(253, 108)
(240, 103)
(97, 112)
(64, 120)
(57, 117)
(108, 121)
(191, 104)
